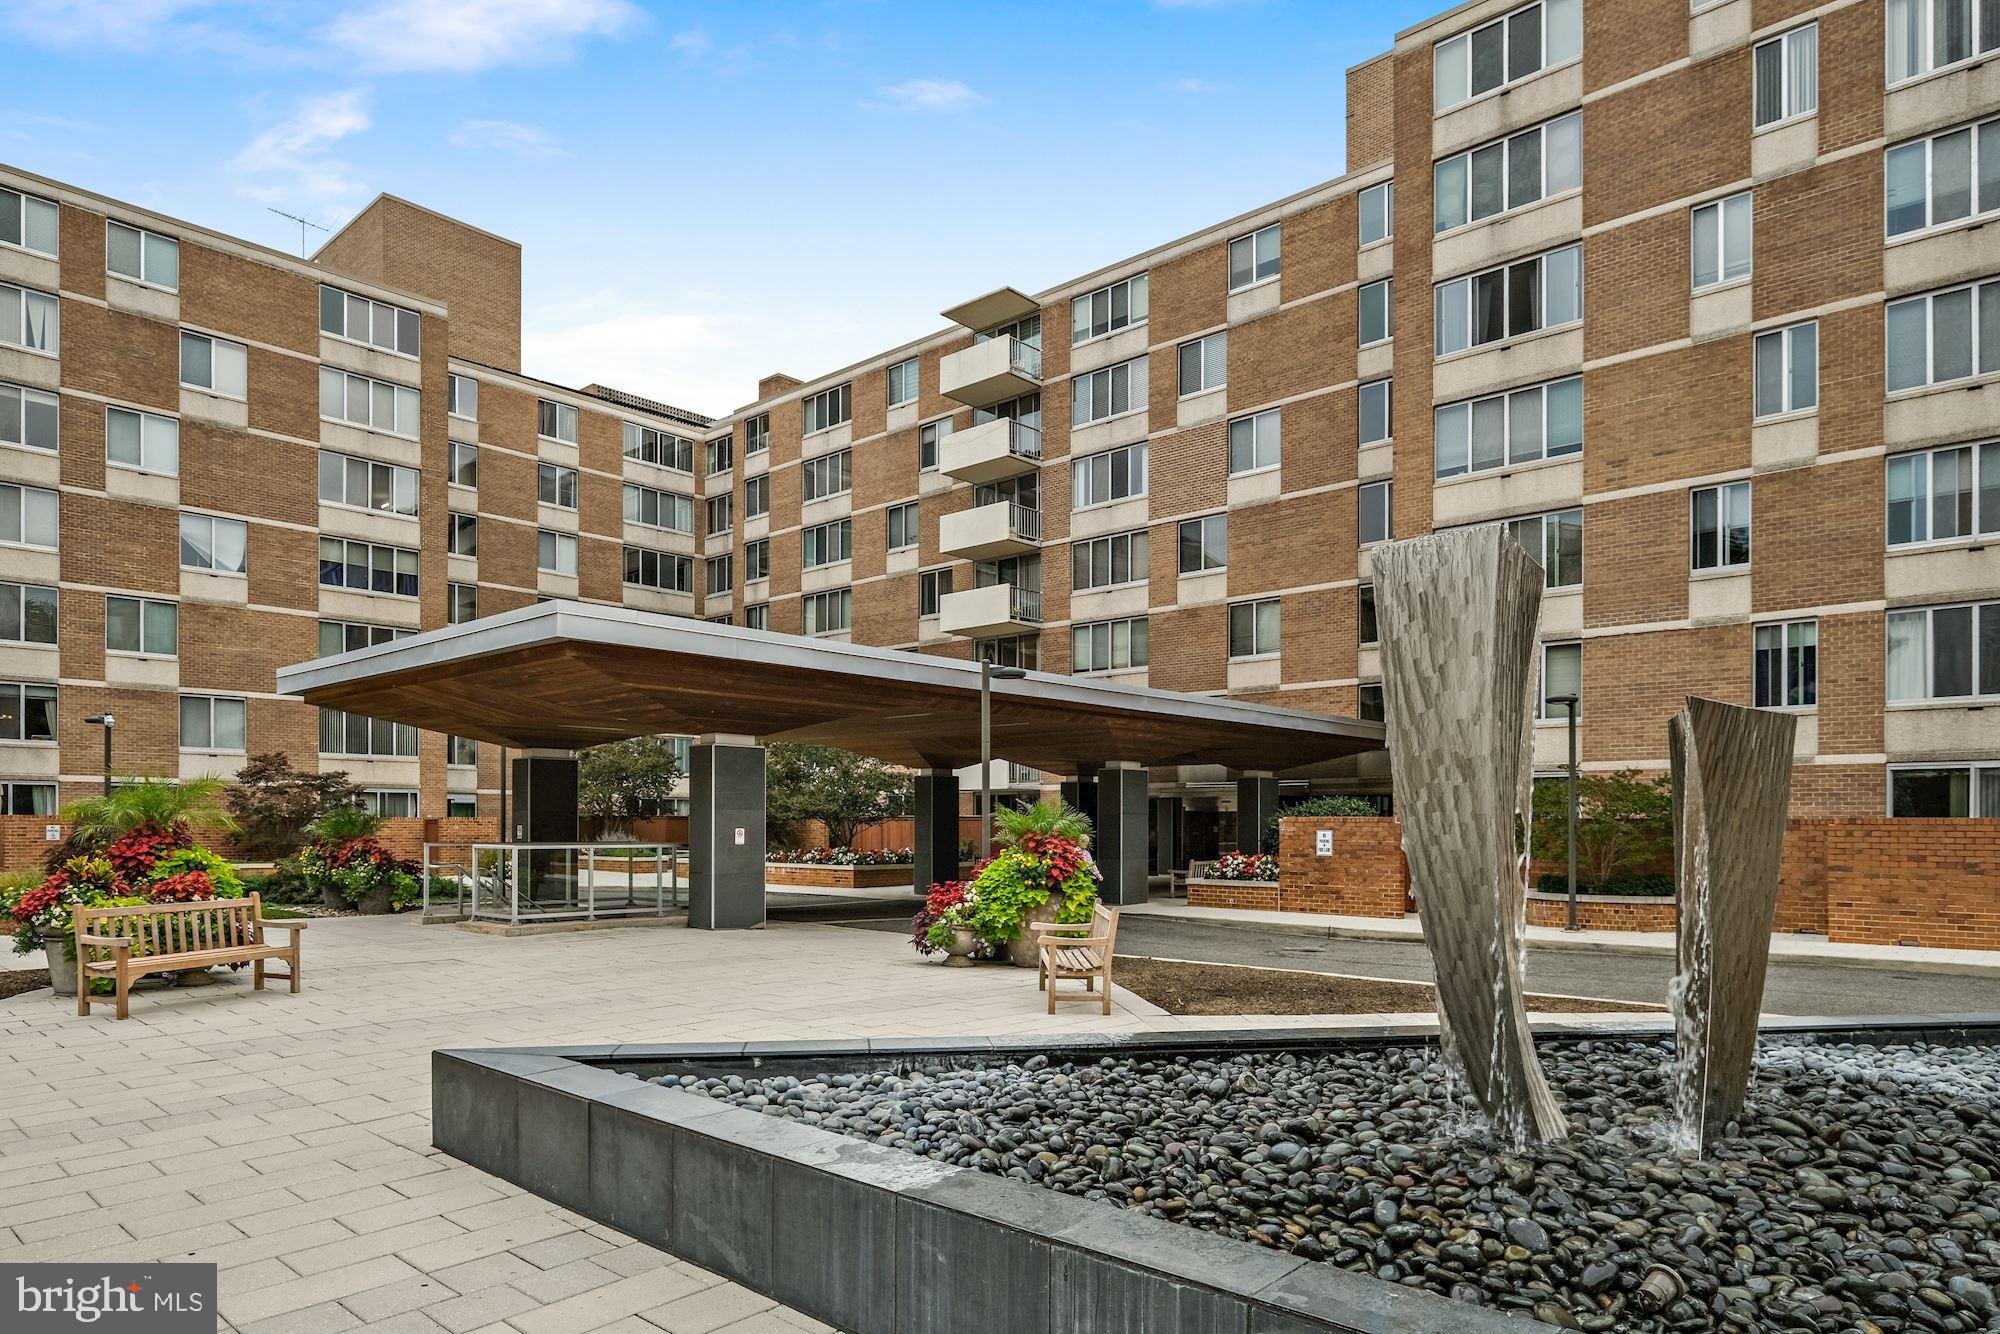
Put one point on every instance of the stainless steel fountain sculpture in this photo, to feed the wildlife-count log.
(1457, 612)
(1732, 774)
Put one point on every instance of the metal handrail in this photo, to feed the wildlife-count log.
(1024, 604)
(1024, 358)
(1023, 441)
(495, 873)
(1024, 522)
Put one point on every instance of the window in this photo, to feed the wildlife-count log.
(1930, 34)
(28, 613)
(27, 798)
(461, 396)
(1115, 474)
(658, 448)
(827, 475)
(142, 625)
(1787, 665)
(1787, 76)
(29, 417)
(366, 567)
(932, 586)
(1009, 651)
(757, 617)
(721, 455)
(1366, 629)
(1562, 674)
(1108, 562)
(1375, 322)
(211, 543)
(1543, 421)
(555, 421)
(827, 543)
(1531, 39)
(211, 722)
(756, 497)
(1943, 336)
(396, 803)
(1108, 393)
(1372, 521)
(1944, 653)
(214, 364)
(29, 222)
(663, 570)
(556, 485)
(30, 319)
(928, 437)
(461, 604)
(1108, 646)
(27, 712)
(462, 534)
(145, 257)
(365, 484)
(375, 404)
(757, 434)
(376, 323)
(659, 509)
(347, 636)
(1944, 179)
(461, 750)
(721, 574)
(1377, 206)
(757, 559)
(464, 464)
(1253, 442)
(1721, 245)
(721, 515)
(461, 805)
(829, 612)
(902, 524)
(555, 553)
(1368, 702)
(1932, 496)
(1253, 258)
(1556, 542)
(1372, 406)
(902, 378)
(1108, 309)
(343, 733)
(1253, 628)
(1788, 370)
(1545, 292)
(826, 409)
(29, 516)
(142, 440)
(1204, 544)
(1721, 527)
(1205, 364)
(1509, 173)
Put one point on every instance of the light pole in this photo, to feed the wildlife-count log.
(1569, 703)
(988, 674)
(107, 722)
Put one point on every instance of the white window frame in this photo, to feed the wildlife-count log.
(1363, 411)
(15, 402)
(1210, 354)
(461, 603)
(1548, 529)
(1982, 43)
(1728, 495)
(15, 334)
(222, 353)
(667, 506)
(242, 708)
(720, 515)
(814, 608)
(1252, 243)
(350, 301)
(214, 523)
(16, 692)
(16, 496)
(369, 635)
(819, 543)
(1793, 103)
(565, 417)
(1542, 323)
(552, 482)
(1929, 646)
(1982, 146)
(756, 497)
(905, 516)
(658, 449)
(1724, 217)
(463, 459)
(1982, 457)
(16, 592)
(1087, 548)
(12, 791)
(1363, 495)
(900, 382)
(1375, 204)
(1137, 309)
(676, 571)
(1783, 344)
(400, 395)
(397, 561)
(1089, 387)
(1265, 430)
(725, 566)
(1543, 714)
(145, 277)
(718, 455)
(1362, 300)
(1204, 525)
(1979, 293)
(1439, 102)
(1137, 646)
(404, 484)
(1793, 678)
(835, 471)
(756, 434)
(1255, 607)
(1084, 467)
(148, 608)
(559, 547)
(402, 738)
(1506, 147)
(462, 397)
(930, 443)
(1445, 419)
(51, 221)
(461, 534)
(1975, 804)
(826, 409)
(933, 587)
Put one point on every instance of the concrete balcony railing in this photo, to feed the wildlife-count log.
(989, 532)
(991, 451)
(991, 372)
(997, 609)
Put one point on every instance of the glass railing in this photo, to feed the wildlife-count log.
(538, 882)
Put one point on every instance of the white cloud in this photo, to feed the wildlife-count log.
(692, 44)
(466, 35)
(930, 95)
(121, 23)
(689, 360)
(291, 162)
(504, 136)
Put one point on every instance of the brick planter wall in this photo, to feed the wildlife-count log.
(1934, 882)
(1257, 894)
(838, 877)
(1365, 877)
(1603, 912)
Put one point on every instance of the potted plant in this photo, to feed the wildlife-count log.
(1043, 872)
(43, 914)
(940, 927)
(351, 868)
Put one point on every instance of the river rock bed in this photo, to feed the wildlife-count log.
(1861, 1191)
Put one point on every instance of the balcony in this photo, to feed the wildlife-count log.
(997, 609)
(991, 451)
(991, 372)
(989, 532)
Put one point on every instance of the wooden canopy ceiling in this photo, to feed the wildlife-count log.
(567, 675)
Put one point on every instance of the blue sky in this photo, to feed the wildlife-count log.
(706, 193)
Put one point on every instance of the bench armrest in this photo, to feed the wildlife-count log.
(115, 942)
(283, 924)
(1062, 941)
(1041, 928)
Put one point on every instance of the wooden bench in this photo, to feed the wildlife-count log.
(172, 937)
(1068, 956)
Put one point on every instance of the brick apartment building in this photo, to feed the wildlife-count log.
(1700, 299)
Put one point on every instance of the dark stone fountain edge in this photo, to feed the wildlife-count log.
(878, 1241)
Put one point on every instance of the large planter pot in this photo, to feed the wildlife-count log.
(62, 968)
(958, 954)
(1025, 949)
(331, 897)
(378, 901)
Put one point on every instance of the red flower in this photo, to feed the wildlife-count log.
(39, 900)
(187, 887)
(133, 854)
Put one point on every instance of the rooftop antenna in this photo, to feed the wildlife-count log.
(303, 224)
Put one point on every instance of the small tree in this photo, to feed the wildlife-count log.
(152, 803)
(627, 780)
(843, 791)
(1624, 823)
(274, 803)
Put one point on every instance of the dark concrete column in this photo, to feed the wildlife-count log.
(1080, 794)
(936, 812)
(1166, 835)
(1123, 834)
(545, 811)
(725, 833)
(1256, 803)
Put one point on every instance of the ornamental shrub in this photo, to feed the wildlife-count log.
(132, 855)
(186, 887)
(221, 874)
(1009, 889)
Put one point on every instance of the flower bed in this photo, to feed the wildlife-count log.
(840, 868)
(842, 857)
(1259, 866)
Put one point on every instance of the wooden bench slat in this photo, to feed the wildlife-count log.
(177, 937)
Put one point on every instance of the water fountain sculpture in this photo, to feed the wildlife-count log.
(1457, 612)
(1732, 774)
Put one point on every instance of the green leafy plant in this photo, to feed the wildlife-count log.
(1624, 825)
(193, 804)
(1015, 886)
(344, 824)
(1051, 816)
(1332, 806)
(228, 884)
(843, 791)
(273, 804)
(628, 780)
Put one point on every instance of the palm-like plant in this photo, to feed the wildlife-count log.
(1050, 816)
(344, 824)
(151, 803)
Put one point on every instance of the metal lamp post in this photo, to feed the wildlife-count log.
(988, 674)
(107, 722)
(1569, 703)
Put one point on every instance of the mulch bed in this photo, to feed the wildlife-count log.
(1194, 988)
(13, 982)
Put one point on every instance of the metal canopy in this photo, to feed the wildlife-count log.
(567, 675)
